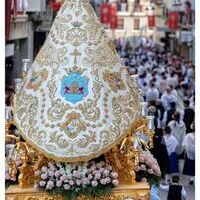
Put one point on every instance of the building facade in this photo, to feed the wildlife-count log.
(28, 30)
(133, 20)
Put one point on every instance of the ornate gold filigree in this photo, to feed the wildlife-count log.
(37, 79)
(73, 126)
(114, 80)
(141, 192)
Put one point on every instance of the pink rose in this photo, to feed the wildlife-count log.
(57, 174)
(95, 172)
(44, 176)
(85, 181)
(50, 185)
(108, 180)
(59, 183)
(97, 176)
(106, 172)
(154, 167)
(44, 169)
(66, 187)
(150, 171)
(141, 159)
(71, 182)
(145, 157)
(103, 181)
(114, 175)
(78, 182)
(90, 177)
(77, 175)
(63, 178)
(74, 172)
(101, 170)
(51, 173)
(115, 183)
(158, 172)
(94, 183)
(93, 168)
(42, 183)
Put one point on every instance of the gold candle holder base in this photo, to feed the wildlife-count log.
(24, 74)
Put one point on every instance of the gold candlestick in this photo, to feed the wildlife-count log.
(12, 169)
(7, 127)
(26, 177)
(24, 74)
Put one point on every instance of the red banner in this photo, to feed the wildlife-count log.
(173, 20)
(7, 18)
(105, 13)
(151, 21)
(113, 16)
(55, 6)
(15, 9)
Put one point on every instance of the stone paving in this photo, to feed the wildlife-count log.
(184, 180)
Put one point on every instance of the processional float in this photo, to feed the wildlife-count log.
(77, 102)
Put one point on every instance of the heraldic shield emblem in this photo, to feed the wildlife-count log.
(74, 87)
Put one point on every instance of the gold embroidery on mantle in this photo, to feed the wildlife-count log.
(73, 126)
(114, 80)
(100, 125)
(37, 79)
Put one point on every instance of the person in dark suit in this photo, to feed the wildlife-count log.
(188, 116)
(160, 151)
(175, 191)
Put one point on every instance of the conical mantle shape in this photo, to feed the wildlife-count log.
(77, 100)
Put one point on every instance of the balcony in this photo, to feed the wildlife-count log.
(19, 27)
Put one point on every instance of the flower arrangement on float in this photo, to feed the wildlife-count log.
(93, 179)
(148, 169)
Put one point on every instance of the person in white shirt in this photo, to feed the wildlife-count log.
(171, 145)
(168, 97)
(162, 83)
(178, 129)
(141, 69)
(152, 93)
(189, 146)
(172, 80)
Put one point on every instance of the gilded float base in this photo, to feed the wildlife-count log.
(137, 191)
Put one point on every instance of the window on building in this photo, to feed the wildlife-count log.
(120, 23)
(137, 8)
(122, 5)
(137, 1)
(136, 24)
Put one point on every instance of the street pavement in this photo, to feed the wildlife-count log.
(190, 190)
(184, 181)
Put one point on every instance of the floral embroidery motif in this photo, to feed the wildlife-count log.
(73, 126)
(114, 80)
(37, 79)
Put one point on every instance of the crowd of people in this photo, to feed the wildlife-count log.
(167, 83)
